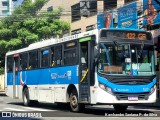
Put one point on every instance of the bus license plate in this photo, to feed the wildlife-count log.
(132, 98)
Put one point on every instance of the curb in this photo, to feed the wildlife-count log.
(2, 93)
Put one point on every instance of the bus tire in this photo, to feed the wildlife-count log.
(120, 108)
(26, 100)
(74, 105)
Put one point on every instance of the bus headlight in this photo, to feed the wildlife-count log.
(153, 89)
(106, 88)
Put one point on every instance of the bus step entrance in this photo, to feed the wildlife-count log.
(84, 93)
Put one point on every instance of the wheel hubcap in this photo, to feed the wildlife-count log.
(74, 102)
(25, 99)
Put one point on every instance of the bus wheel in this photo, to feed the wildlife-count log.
(26, 100)
(120, 108)
(75, 106)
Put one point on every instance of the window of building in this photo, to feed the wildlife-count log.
(33, 60)
(5, 12)
(4, 3)
(75, 12)
(24, 61)
(90, 27)
(109, 4)
(77, 31)
(45, 58)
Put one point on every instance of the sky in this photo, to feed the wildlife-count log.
(18, 2)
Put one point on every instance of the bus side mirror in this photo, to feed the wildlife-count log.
(96, 55)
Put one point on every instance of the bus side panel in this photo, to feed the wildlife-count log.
(94, 91)
(9, 84)
(50, 84)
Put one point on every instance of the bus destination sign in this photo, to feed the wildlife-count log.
(130, 35)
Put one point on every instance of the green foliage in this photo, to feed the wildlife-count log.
(1, 25)
(13, 44)
(5, 33)
(26, 26)
(1, 70)
(3, 44)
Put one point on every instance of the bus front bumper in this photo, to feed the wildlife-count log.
(107, 98)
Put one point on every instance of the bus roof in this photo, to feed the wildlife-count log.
(53, 41)
(126, 29)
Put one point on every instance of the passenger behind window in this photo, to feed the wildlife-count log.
(52, 58)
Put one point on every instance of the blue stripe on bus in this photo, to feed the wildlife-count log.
(127, 88)
(59, 75)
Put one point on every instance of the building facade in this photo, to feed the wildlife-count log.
(85, 15)
(4, 8)
(7, 6)
(81, 21)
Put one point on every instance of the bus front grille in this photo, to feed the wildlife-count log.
(124, 96)
(131, 82)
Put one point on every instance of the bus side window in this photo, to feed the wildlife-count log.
(45, 58)
(24, 61)
(52, 57)
(70, 57)
(33, 60)
(9, 64)
(58, 55)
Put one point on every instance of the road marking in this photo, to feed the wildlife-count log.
(38, 109)
(144, 109)
(14, 109)
(27, 109)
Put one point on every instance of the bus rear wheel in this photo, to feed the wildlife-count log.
(26, 100)
(74, 105)
(120, 108)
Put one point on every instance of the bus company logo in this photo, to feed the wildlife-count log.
(120, 90)
(54, 75)
(67, 75)
(145, 89)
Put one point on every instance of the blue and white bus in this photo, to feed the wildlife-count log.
(107, 66)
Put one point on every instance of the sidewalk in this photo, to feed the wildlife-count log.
(2, 93)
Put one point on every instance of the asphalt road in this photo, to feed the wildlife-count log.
(15, 108)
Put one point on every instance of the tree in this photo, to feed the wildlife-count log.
(27, 25)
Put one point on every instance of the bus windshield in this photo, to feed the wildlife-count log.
(126, 59)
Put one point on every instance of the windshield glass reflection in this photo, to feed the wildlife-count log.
(126, 59)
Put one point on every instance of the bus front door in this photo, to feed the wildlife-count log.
(15, 77)
(84, 71)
